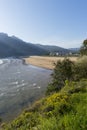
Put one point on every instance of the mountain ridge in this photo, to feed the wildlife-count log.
(12, 46)
(15, 47)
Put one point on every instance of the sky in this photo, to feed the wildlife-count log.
(49, 22)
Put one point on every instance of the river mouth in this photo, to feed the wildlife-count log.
(20, 86)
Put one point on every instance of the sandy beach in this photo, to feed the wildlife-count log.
(45, 62)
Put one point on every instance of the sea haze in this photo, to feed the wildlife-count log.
(20, 86)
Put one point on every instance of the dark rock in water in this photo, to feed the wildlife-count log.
(23, 61)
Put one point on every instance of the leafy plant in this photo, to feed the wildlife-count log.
(63, 71)
(83, 50)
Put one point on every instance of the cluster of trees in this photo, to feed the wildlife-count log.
(83, 50)
(69, 70)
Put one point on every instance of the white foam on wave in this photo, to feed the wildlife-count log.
(21, 85)
(14, 83)
(34, 84)
(1, 61)
(38, 87)
(1, 94)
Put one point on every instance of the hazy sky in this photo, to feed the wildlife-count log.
(53, 22)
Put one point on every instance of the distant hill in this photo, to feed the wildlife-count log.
(74, 50)
(11, 46)
(53, 49)
(15, 47)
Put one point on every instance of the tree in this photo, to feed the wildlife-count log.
(83, 50)
(63, 71)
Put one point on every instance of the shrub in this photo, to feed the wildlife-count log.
(83, 49)
(63, 71)
(80, 68)
(67, 70)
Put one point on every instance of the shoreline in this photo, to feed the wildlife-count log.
(45, 62)
(41, 67)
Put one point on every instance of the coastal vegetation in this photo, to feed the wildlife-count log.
(67, 70)
(83, 50)
(65, 105)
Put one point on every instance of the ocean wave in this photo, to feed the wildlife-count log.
(1, 61)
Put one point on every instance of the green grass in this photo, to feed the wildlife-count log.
(64, 110)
